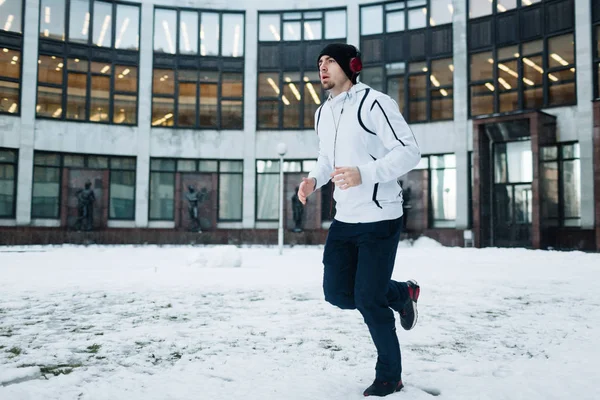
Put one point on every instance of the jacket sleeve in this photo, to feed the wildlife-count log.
(322, 171)
(397, 137)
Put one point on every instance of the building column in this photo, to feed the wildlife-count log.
(461, 113)
(144, 116)
(250, 94)
(585, 114)
(28, 103)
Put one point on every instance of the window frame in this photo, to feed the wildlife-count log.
(494, 5)
(14, 41)
(61, 166)
(299, 68)
(431, 221)
(106, 54)
(221, 68)
(197, 170)
(15, 164)
(545, 54)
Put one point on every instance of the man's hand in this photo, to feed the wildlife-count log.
(306, 188)
(346, 177)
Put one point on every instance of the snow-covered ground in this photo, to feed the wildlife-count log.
(181, 323)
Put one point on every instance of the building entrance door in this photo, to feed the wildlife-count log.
(512, 196)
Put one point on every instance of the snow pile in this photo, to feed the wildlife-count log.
(217, 257)
(9, 376)
(425, 242)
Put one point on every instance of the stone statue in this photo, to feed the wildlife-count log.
(194, 199)
(297, 211)
(85, 207)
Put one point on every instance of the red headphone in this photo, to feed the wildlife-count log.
(356, 64)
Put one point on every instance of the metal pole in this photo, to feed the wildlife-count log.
(281, 195)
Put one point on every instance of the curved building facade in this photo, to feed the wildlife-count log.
(160, 104)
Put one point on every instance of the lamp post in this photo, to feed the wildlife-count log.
(281, 150)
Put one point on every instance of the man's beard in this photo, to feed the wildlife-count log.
(328, 86)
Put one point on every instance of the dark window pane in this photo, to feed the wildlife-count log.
(122, 195)
(162, 196)
(268, 114)
(99, 99)
(187, 165)
(12, 9)
(570, 151)
(10, 63)
(9, 97)
(418, 110)
(125, 110)
(122, 163)
(76, 96)
(46, 192)
(79, 21)
(549, 178)
(507, 76)
(208, 166)
(373, 77)
(165, 24)
(188, 28)
(291, 101)
(50, 69)
(482, 67)
(482, 99)
(417, 85)
(8, 156)
(232, 166)
(186, 103)
(49, 102)
(534, 47)
(52, 19)
(162, 111)
(7, 189)
(77, 65)
(442, 107)
(533, 72)
(232, 85)
(396, 91)
(125, 79)
(209, 34)
(312, 101)
(509, 101)
(442, 72)
(97, 162)
(208, 104)
(101, 68)
(533, 98)
(562, 94)
(230, 196)
(128, 27)
(268, 85)
(102, 24)
(231, 114)
(233, 36)
(163, 82)
(162, 164)
(443, 196)
(74, 161)
(561, 51)
(47, 159)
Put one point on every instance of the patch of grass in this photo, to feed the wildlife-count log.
(1, 347)
(82, 329)
(15, 351)
(173, 317)
(176, 355)
(168, 306)
(7, 333)
(93, 349)
(56, 370)
(99, 333)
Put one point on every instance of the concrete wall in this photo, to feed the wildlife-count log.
(142, 141)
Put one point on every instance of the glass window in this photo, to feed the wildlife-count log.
(292, 31)
(313, 30)
(97, 162)
(230, 196)
(10, 74)
(122, 195)
(571, 185)
(49, 102)
(11, 12)
(125, 109)
(373, 77)
(268, 114)
(209, 34)
(396, 91)
(233, 36)
(267, 204)
(186, 103)
(269, 25)
(441, 12)
(9, 97)
(186, 165)
(505, 5)
(126, 79)
(208, 104)
(417, 18)
(165, 24)
(8, 167)
(371, 20)
(99, 98)
(79, 21)
(52, 19)
(561, 51)
(443, 190)
(188, 26)
(76, 96)
(127, 163)
(46, 192)
(162, 164)
(335, 24)
(102, 24)
(208, 166)
(478, 8)
(73, 160)
(395, 21)
(162, 196)
(128, 27)
(482, 66)
(232, 166)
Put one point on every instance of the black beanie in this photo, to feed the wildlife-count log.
(342, 54)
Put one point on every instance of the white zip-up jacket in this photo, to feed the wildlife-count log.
(372, 135)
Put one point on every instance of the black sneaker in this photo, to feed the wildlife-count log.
(381, 388)
(408, 314)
